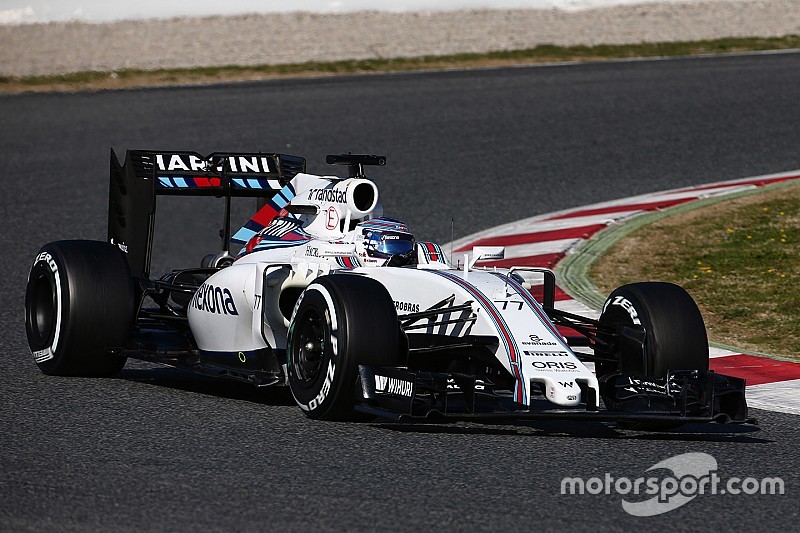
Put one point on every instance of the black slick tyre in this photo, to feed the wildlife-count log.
(675, 338)
(339, 322)
(80, 300)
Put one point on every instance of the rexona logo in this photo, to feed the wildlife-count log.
(389, 385)
(213, 299)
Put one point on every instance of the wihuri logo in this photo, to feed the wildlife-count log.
(691, 474)
(393, 386)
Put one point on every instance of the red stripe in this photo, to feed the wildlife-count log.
(646, 206)
(432, 251)
(543, 260)
(265, 215)
(581, 232)
(756, 370)
(569, 333)
(757, 183)
(292, 236)
(537, 291)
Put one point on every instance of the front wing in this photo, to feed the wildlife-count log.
(401, 394)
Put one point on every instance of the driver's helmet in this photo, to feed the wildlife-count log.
(379, 240)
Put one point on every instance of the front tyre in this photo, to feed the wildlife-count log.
(80, 300)
(339, 322)
(675, 334)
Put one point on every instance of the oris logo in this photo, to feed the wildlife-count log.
(555, 365)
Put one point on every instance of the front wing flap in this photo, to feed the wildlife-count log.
(401, 394)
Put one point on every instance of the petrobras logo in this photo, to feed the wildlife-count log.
(211, 299)
(406, 307)
(387, 385)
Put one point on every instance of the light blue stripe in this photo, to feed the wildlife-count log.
(165, 182)
(280, 201)
(239, 183)
(180, 182)
(283, 197)
(243, 235)
(254, 184)
(266, 245)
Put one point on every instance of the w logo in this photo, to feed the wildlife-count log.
(380, 383)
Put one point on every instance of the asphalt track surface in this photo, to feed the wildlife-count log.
(159, 449)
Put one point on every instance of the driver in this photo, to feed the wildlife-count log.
(384, 241)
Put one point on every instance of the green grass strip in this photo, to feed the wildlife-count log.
(545, 53)
(573, 271)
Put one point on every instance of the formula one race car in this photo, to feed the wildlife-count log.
(354, 314)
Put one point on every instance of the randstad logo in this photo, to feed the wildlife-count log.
(690, 475)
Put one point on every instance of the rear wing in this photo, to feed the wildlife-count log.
(146, 174)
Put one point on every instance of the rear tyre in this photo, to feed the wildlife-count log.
(675, 332)
(80, 300)
(339, 322)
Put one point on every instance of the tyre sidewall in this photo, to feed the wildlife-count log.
(47, 349)
(315, 398)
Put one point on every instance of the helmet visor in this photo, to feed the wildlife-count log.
(388, 244)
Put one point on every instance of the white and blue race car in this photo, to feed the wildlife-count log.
(353, 314)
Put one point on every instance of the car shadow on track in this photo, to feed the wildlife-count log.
(173, 378)
(186, 381)
(590, 430)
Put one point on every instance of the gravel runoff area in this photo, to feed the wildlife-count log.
(57, 48)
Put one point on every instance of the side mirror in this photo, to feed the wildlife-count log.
(482, 253)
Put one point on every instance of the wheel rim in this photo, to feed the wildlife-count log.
(308, 347)
(41, 309)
